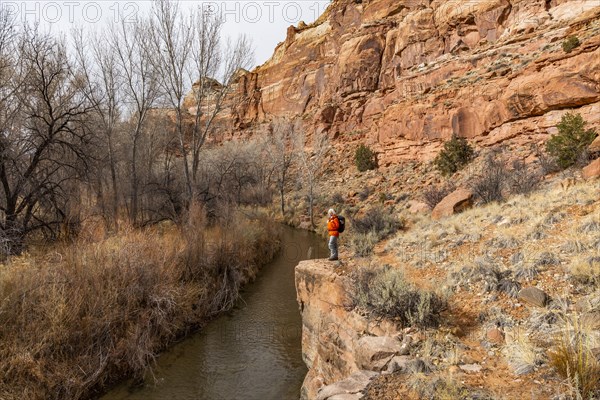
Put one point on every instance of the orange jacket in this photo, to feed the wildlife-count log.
(333, 225)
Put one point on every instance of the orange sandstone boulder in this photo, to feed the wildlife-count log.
(593, 170)
(454, 203)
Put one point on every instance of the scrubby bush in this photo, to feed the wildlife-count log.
(571, 43)
(457, 153)
(523, 178)
(572, 140)
(337, 198)
(364, 193)
(384, 292)
(489, 184)
(365, 159)
(379, 221)
(364, 243)
(435, 194)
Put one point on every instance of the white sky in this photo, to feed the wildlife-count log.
(264, 21)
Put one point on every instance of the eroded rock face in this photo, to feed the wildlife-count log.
(402, 76)
(341, 348)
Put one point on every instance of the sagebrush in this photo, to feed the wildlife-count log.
(384, 292)
(382, 222)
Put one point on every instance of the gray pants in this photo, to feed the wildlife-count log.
(333, 246)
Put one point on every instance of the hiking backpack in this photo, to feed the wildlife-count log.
(342, 224)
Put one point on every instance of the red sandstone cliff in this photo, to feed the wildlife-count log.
(401, 75)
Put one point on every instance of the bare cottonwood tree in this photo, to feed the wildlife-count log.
(103, 78)
(190, 49)
(312, 160)
(169, 51)
(140, 92)
(215, 67)
(282, 154)
(43, 146)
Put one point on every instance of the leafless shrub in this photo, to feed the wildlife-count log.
(523, 178)
(548, 165)
(364, 193)
(338, 198)
(489, 184)
(435, 194)
(364, 243)
(378, 220)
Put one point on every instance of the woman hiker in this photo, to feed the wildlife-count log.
(333, 226)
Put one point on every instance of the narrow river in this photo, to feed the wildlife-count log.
(251, 353)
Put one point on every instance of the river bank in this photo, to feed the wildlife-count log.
(251, 352)
(90, 313)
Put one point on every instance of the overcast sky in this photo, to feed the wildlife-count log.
(265, 22)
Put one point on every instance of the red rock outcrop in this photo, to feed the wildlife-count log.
(454, 203)
(592, 170)
(403, 75)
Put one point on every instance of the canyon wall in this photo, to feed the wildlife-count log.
(342, 349)
(404, 75)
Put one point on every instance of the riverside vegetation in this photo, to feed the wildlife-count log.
(81, 315)
(122, 229)
(120, 206)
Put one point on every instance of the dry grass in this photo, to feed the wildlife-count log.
(522, 353)
(91, 313)
(573, 358)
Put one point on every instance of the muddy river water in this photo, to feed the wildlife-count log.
(251, 353)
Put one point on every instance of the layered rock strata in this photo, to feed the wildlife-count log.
(404, 75)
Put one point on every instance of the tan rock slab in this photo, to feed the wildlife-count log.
(533, 296)
(454, 203)
(592, 171)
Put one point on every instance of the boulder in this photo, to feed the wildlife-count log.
(473, 368)
(595, 146)
(374, 353)
(398, 363)
(347, 396)
(533, 296)
(454, 203)
(592, 171)
(417, 207)
(354, 384)
(495, 336)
